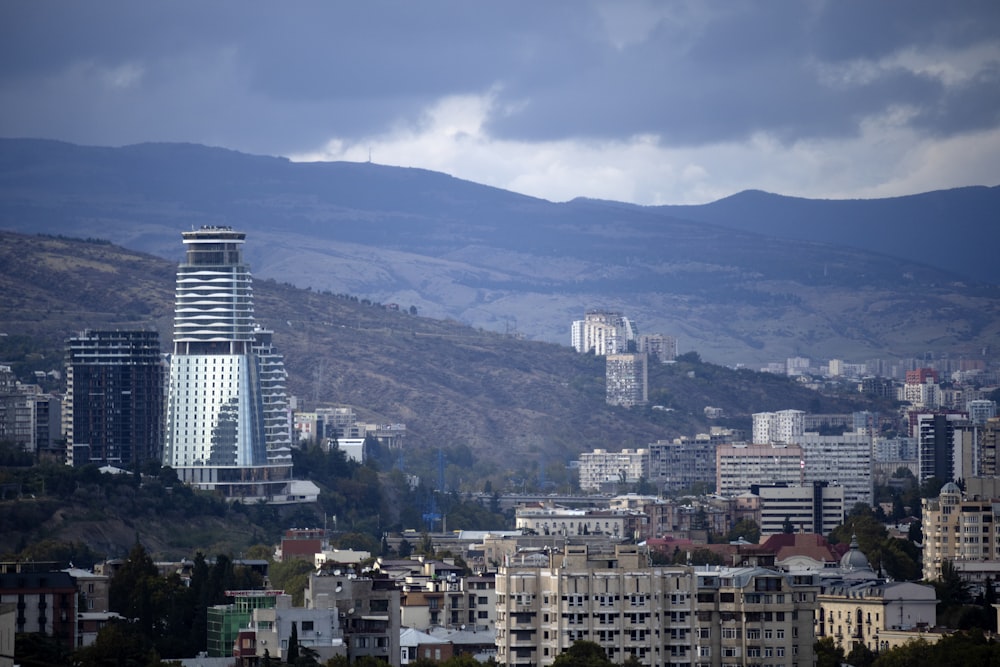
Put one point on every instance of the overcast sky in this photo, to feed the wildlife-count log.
(643, 102)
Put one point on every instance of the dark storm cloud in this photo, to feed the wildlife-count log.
(282, 77)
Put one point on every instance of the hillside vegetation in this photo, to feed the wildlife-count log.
(750, 280)
(495, 406)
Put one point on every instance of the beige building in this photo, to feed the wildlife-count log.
(661, 616)
(857, 607)
(964, 532)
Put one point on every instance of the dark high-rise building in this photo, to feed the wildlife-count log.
(113, 409)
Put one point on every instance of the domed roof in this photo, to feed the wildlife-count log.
(854, 559)
(951, 488)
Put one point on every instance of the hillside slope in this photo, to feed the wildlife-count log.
(517, 406)
(501, 261)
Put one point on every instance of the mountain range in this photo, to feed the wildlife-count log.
(752, 278)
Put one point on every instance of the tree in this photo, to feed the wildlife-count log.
(828, 654)
(583, 654)
(746, 529)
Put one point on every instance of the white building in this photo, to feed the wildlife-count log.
(219, 404)
(810, 508)
(601, 468)
(602, 332)
(774, 428)
(840, 459)
(739, 466)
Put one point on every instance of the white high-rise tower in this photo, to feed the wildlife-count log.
(219, 397)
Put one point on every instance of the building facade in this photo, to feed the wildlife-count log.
(627, 380)
(113, 409)
(845, 460)
(217, 436)
(964, 532)
(601, 468)
(738, 467)
(809, 508)
(657, 615)
(778, 428)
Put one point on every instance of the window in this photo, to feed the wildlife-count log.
(307, 626)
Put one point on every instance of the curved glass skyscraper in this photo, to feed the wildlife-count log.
(220, 412)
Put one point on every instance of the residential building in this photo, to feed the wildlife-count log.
(550, 520)
(113, 408)
(226, 620)
(845, 460)
(627, 381)
(617, 600)
(739, 466)
(988, 448)
(688, 463)
(222, 376)
(935, 433)
(316, 629)
(754, 615)
(603, 332)
(45, 603)
(660, 347)
(777, 428)
(368, 608)
(657, 615)
(601, 469)
(981, 410)
(965, 531)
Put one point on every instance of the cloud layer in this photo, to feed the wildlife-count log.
(646, 102)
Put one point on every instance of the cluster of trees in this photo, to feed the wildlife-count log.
(961, 649)
(899, 559)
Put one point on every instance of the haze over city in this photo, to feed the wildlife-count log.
(644, 102)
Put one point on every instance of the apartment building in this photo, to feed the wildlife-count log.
(603, 332)
(935, 433)
(657, 346)
(683, 463)
(661, 616)
(600, 468)
(618, 601)
(740, 466)
(368, 609)
(754, 616)
(550, 520)
(113, 412)
(626, 380)
(777, 428)
(964, 531)
(845, 460)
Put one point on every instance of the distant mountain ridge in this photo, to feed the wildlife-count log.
(733, 288)
(941, 228)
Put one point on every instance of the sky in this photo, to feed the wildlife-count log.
(660, 102)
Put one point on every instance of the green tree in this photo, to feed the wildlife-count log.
(746, 529)
(828, 654)
(583, 654)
